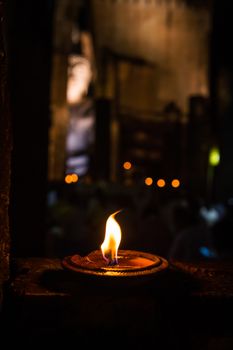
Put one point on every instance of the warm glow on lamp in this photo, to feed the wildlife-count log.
(149, 181)
(127, 165)
(161, 183)
(112, 240)
(175, 183)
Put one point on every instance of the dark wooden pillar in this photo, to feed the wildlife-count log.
(102, 140)
(29, 52)
(199, 141)
(5, 156)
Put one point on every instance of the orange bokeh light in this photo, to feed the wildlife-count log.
(74, 177)
(175, 183)
(68, 179)
(127, 165)
(148, 181)
(71, 178)
(161, 183)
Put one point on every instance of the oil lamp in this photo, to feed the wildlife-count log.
(111, 262)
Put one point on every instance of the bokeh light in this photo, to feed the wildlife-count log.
(161, 183)
(127, 165)
(148, 181)
(175, 183)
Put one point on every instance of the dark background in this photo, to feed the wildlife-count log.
(29, 45)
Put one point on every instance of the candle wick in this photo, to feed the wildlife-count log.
(112, 262)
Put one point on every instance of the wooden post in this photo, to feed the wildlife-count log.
(5, 157)
(29, 58)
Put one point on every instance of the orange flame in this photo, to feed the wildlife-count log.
(112, 240)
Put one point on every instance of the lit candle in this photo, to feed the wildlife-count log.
(109, 261)
(112, 240)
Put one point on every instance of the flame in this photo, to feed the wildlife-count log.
(112, 240)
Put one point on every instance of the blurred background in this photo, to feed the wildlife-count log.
(121, 104)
